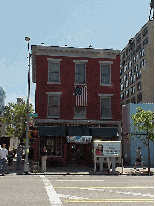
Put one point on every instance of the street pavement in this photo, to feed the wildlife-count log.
(76, 190)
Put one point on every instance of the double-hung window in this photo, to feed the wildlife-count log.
(80, 71)
(54, 70)
(53, 104)
(105, 73)
(105, 100)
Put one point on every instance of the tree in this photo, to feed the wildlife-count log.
(143, 123)
(15, 117)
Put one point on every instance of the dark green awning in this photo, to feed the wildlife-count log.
(51, 131)
(78, 131)
(104, 131)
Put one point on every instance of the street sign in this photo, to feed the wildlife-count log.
(33, 115)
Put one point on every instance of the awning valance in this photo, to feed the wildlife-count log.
(78, 131)
(51, 131)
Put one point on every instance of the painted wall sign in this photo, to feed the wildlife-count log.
(79, 139)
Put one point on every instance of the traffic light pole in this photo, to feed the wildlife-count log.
(26, 163)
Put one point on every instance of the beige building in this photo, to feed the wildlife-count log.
(137, 67)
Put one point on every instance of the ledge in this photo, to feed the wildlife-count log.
(53, 83)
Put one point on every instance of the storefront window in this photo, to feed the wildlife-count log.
(53, 146)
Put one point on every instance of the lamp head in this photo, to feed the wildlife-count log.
(27, 38)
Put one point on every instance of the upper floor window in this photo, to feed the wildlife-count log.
(145, 41)
(53, 70)
(122, 96)
(138, 48)
(80, 112)
(121, 71)
(125, 68)
(139, 86)
(145, 31)
(139, 98)
(138, 74)
(130, 73)
(127, 83)
(127, 93)
(122, 87)
(127, 50)
(142, 63)
(133, 100)
(53, 105)
(138, 39)
(80, 71)
(133, 90)
(106, 108)
(105, 68)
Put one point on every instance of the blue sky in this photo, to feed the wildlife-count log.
(77, 23)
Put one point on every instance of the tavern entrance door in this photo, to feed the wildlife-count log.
(78, 154)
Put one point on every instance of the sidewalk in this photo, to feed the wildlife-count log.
(81, 171)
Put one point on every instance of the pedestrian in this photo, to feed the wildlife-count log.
(3, 158)
(138, 157)
(10, 160)
(44, 158)
(19, 157)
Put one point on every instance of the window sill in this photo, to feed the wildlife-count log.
(52, 117)
(80, 118)
(107, 85)
(53, 83)
(76, 84)
(106, 118)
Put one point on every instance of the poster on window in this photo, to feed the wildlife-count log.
(79, 139)
(107, 148)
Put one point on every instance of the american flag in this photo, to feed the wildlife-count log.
(81, 96)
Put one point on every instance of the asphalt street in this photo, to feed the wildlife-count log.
(76, 190)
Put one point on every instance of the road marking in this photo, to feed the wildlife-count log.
(52, 195)
(133, 187)
(108, 200)
(81, 180)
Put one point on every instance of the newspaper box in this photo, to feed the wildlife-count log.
(109, 152)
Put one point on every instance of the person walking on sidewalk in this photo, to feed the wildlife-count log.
(19, 157)
(44, 158)
(10, 159)
(138, 157)
(3, 158)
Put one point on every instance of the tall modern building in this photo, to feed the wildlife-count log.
(2, 98)
(137, 67)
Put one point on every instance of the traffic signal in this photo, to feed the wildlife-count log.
(33, 134)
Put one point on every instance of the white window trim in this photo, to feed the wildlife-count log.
(79, 62)
(105, 63)
(53, 94)
(55, 61)
(105, 96)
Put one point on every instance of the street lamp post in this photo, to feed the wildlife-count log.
(26, 163)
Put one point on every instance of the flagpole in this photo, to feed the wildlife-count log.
(26, 163)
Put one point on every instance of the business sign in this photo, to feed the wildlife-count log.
(79, 139)
(107, 148)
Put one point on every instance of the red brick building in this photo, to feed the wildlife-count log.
(77, 101)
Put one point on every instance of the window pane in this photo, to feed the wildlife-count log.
(53, 111)
(80, 112)
(53, 101)
(54, 67)
(105, 102)
(105, 69)
(80, 68)
(80, 78)
(53, 77)
(105, 108)
(105, 74)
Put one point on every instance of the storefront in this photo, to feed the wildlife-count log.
(72, 145)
